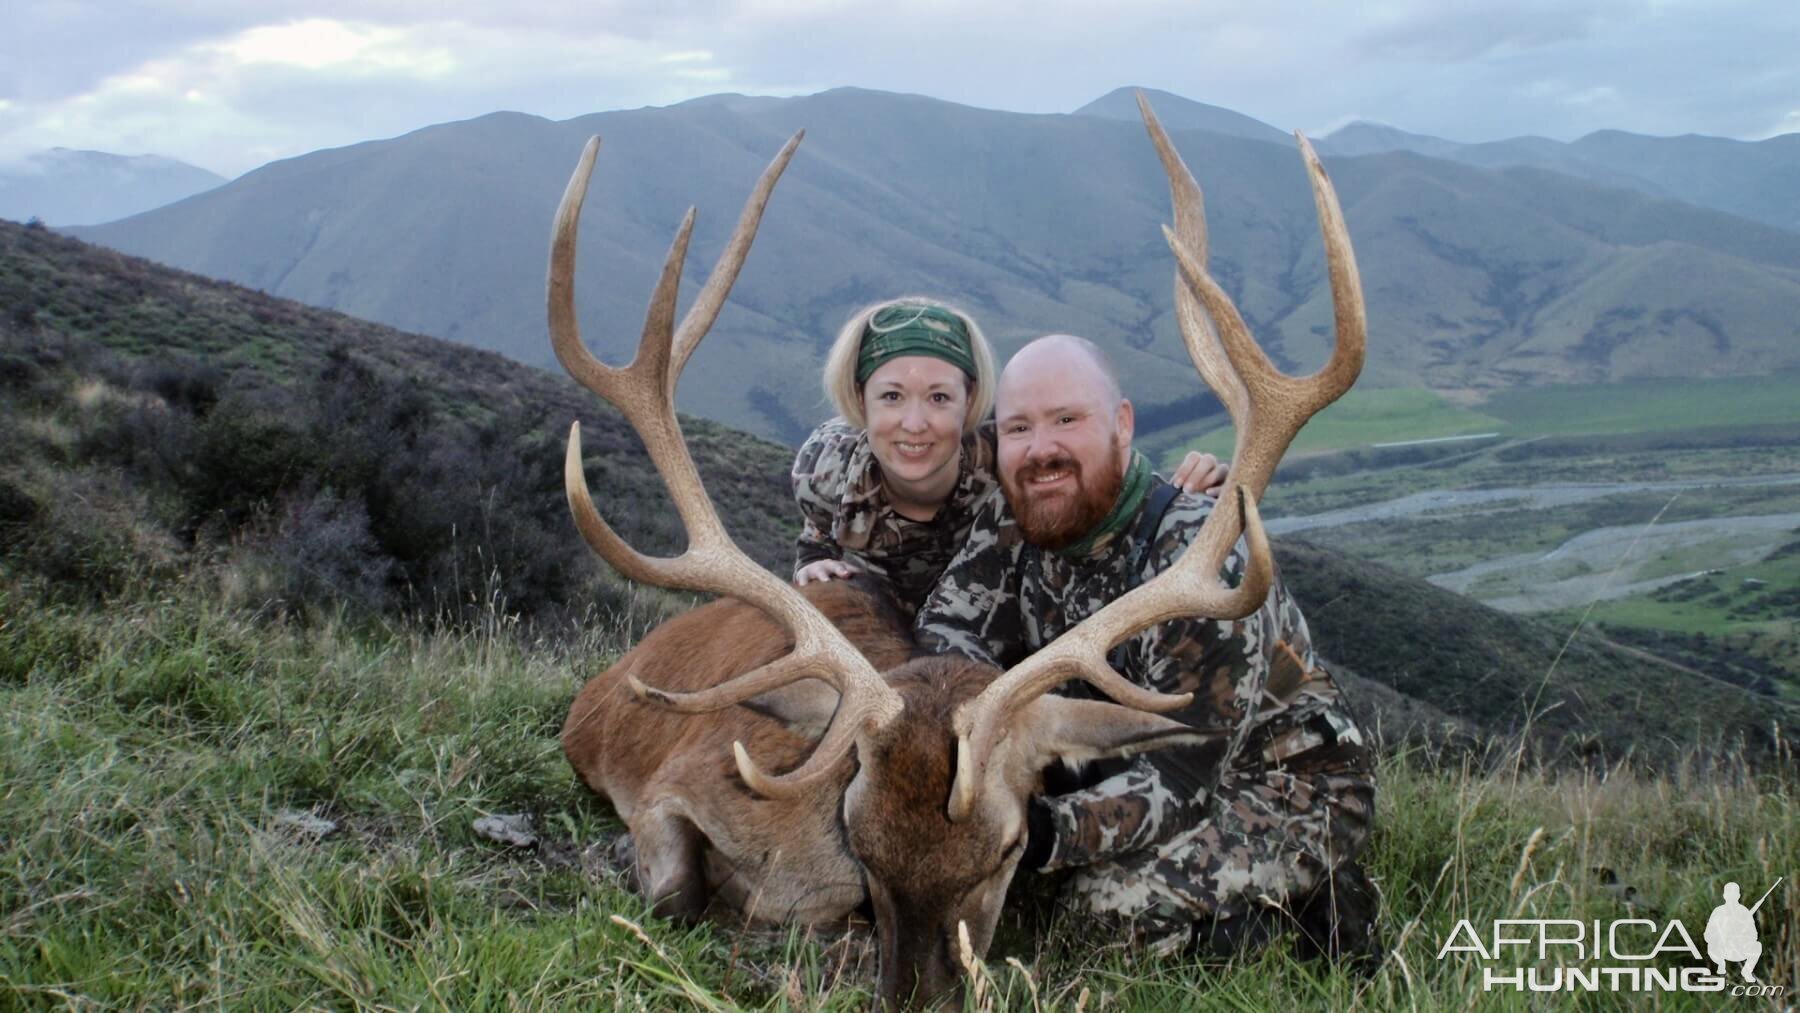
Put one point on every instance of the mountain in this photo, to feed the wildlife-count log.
(298, 440)
(1475, 279)
(1759, 180)
(1177, 113)
(66, 187)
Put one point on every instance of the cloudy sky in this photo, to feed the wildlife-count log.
(231, 84)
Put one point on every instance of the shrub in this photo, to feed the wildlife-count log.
(246, 453)
(322, 555)
(182, 382)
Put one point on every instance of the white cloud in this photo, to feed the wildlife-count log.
(274, 90)
(319, 43)
(225, 83)
(1789, 124)
(1597, 95)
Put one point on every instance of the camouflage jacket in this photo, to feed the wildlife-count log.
(1256, 682)
(837, 483)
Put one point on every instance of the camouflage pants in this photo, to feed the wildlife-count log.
(1272, 836)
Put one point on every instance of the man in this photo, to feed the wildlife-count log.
(1214, 846)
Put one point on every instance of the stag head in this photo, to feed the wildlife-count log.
(948, 752)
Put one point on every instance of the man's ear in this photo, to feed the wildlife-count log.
(1076, 731)
(1127, 420)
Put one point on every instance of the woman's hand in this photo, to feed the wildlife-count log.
(824, 569)
(1200, 473)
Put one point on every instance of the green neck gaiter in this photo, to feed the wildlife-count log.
(1138, 477)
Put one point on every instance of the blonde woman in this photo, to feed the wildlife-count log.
(890, 485)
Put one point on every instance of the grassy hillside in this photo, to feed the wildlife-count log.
(346, 463)
(1474, 278)
(1554, 680)
(206, 809)
(300, 462)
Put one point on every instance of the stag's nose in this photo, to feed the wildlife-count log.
(923, 974)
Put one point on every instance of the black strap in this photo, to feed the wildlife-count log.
(1143, 539)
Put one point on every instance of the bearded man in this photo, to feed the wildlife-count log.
(1217, 846)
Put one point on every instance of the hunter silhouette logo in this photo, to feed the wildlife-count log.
(1625, 955)
(1731, 932)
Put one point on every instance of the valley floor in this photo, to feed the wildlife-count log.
(1584, 507)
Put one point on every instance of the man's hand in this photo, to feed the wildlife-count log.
(1200, 473)
(824, 569)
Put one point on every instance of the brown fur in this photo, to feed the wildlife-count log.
(673, 782)
(876, 828)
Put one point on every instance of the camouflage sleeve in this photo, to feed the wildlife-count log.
(974, 609)
(1149, 802)
(818, 482)
(1164, 793)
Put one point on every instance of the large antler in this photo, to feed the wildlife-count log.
(1267, 408)
(644, 392)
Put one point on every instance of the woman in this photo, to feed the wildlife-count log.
(890, 486)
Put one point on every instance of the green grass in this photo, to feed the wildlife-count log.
(1358, 419)
(1730, 600)
(1368, 416)
(149, 744)
(1642, 406)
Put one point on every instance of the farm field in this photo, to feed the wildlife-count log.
(1679, 541)
(1366, 417)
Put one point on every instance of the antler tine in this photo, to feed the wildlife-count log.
(1188, 587)
(706, 306)
(1190, 224)
(854, 714)
(565, 331)
(1280, 404)
(1350, 315)
(1268, 408)
(644, 393)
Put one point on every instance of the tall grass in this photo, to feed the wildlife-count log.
(157, 751)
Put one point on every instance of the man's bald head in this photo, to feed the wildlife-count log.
(1065, 355)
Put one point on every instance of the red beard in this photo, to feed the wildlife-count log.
(1055, 520)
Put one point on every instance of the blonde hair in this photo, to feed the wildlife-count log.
(840, 366)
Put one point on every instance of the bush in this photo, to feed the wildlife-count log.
(182, 382)
(246, 453)
(322, 556)
(80, 536)
(18, 511)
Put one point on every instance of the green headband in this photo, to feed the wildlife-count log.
(914, 329)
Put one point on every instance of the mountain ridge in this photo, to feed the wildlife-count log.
(67, 186)
(1034, 223)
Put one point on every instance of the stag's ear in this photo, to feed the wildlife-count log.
(1076, 731)
(804, 707)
